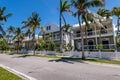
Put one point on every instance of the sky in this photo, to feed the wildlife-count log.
(48, 11)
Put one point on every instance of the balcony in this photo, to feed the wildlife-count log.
(97, 33)
(94, 47)
(53, 38)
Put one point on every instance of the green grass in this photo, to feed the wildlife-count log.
(74, 59)
(6, 75)
(104, 61)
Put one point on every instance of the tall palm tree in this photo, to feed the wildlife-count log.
(32, 23)
(82, 6)
(64, 7)
(10, 31)
(19, 36)
(104, 13)
(3, 18)
(116, 12)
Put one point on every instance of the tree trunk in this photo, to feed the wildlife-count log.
(82, 41)
(60, 28)
(63, 19)
(117, 31)
(18, 47)
(33, 40)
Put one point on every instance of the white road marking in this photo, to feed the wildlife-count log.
(18, 73)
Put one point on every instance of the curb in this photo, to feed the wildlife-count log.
(24, 76)
(103, 64)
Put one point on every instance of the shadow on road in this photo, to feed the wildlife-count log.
(20, 56)
(65, 60)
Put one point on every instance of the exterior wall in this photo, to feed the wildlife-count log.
(55, 34)
(95, 35)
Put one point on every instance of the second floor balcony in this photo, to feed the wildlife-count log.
(97, 33)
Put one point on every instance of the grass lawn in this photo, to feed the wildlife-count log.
(104, 61)
(78, 59)
(6, 75)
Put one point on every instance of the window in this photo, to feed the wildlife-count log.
(103, 30)
(78, 34)
(48, 28)
(89, 32)
(105, 44)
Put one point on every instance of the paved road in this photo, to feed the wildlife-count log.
(51, 69)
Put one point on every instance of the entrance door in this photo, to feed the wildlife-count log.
(105, 44)
(90, 45)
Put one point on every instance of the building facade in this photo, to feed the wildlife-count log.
(95, 35)
(52, 32)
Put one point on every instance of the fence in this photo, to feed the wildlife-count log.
(103, 55)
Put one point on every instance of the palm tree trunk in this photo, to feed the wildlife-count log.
(117, 30)
(63, 18)
(33, 43)
(60, 28)
(82, 41)
(17, 46)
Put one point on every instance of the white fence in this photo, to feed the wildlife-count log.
(104, 55)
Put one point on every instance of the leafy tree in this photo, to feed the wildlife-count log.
(41, 44)
(51, 45)
(4, 44)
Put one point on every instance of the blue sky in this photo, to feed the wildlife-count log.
(47, 9)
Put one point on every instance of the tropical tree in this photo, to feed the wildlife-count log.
(3, 44)
(19, 36)
(32, 23)
(10, 31)
(3, 18)
(43, 30)
(116, 12)
(104, 12)
(41, 44)
(107, 14)
(64, 7)
(82, 6)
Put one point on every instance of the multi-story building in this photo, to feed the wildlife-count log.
(54, 32)
(27, 43)
(95, 35)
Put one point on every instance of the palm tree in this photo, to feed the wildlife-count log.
(3, 18)
(116, 12)
(82, 6)
(64, 7)
(10, 31)
(32, 23)
(19, 36)
(104, 12)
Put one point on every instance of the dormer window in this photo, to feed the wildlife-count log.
(48, 28)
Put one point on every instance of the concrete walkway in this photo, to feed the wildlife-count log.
(51, 69)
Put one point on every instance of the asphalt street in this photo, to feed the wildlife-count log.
(53, 69)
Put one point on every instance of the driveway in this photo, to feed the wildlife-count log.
(51, 69)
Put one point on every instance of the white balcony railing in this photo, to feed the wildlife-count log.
(94, 47)
(95, 33)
